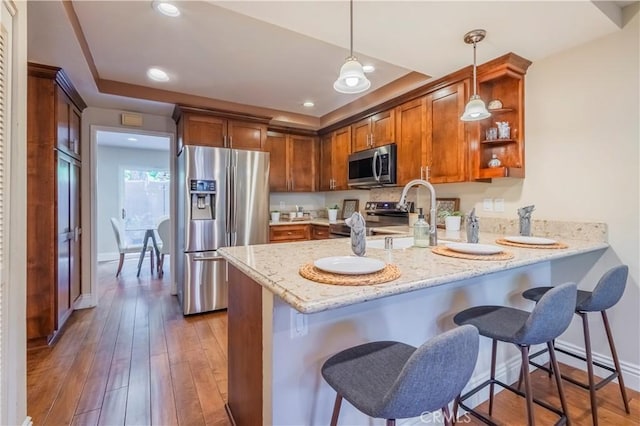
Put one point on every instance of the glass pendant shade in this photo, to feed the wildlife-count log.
(351, 78)
(475, 110)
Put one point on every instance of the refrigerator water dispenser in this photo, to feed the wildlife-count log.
(203, 199)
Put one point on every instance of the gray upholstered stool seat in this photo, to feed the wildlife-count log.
(392, 380)
(549, 318)
(605, 295)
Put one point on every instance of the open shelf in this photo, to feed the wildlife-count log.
(500, 111)
(498, 141)
(498, 172)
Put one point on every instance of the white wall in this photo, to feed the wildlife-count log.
(110, 162)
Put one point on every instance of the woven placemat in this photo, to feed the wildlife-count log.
(444, 251)
(537, 246)
(388, 273)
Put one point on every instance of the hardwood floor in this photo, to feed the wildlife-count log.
(132, 360)
(136, 360)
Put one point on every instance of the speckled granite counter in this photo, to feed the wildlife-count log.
(275, 267)
(316, 221)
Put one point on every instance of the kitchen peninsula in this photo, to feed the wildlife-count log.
(282, 327)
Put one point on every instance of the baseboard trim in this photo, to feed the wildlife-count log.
(108, 257)
(84, 301)
(630, 372)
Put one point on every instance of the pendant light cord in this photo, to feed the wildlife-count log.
(351, 28)
(474, 69)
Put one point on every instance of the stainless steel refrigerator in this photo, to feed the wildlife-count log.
(223, 200)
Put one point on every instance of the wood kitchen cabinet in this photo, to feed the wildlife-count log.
(53, 201)
(431, 138)
(68, 124)
(411, 140)
(501, 79)
(446, 156)
(319, 232)
(203, 127)
(377, 130)
(335, 148)
(293, 160)
(289, 233)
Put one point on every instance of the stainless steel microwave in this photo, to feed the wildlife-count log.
(373, 167)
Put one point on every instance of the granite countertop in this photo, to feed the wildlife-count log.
(275, 267)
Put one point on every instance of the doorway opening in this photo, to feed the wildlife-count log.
(133, 193)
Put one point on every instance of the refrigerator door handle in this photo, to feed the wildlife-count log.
(202, 259)
(234, 229)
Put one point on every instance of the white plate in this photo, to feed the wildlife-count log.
(530, 240)
(474, 248)
(349, 265)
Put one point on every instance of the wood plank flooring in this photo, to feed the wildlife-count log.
(132, 360)
(136, 360)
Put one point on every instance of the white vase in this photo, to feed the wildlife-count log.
(452, 223)
(275, 216)
(333, 215)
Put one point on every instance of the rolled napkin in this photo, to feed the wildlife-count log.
(358, 233)
(473, 227)
(525, 220)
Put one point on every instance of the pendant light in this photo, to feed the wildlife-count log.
(475, 109)
(351, 78)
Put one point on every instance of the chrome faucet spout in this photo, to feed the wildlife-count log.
(402, 204)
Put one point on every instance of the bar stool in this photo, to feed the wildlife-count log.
(550, 317)
(392, 380)
(607, 293)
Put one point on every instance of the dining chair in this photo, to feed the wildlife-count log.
(123, 246)
(164, 232)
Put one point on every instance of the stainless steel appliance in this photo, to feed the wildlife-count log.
(373, 167)
(223, 200)
(377, 214)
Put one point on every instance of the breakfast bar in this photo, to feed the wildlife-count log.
(282, 327)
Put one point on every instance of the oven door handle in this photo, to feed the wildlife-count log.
(376, 158)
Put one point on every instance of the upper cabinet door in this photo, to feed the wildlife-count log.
(74, 131)
(383, 128)
(411, 139)
(446, 142)
(302, 161)
(204, 130)
(62, 116)
(276, 145)
(246, 135)
(361, 135)
(340, 157)
(326, 176)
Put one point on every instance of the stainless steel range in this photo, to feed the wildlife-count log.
(377, 214)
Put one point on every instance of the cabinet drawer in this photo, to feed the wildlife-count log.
(319, 232)
(285, 233)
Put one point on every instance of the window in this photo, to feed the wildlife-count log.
(145, 200)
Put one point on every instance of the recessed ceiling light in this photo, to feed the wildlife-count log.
(157, 74)
(368, 68)
(166, 8)
(308, 104)
(132, 139)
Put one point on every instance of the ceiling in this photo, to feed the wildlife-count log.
(276, 55)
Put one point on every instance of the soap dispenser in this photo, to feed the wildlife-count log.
(421, 231)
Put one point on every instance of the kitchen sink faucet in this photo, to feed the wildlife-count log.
(402, 204)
